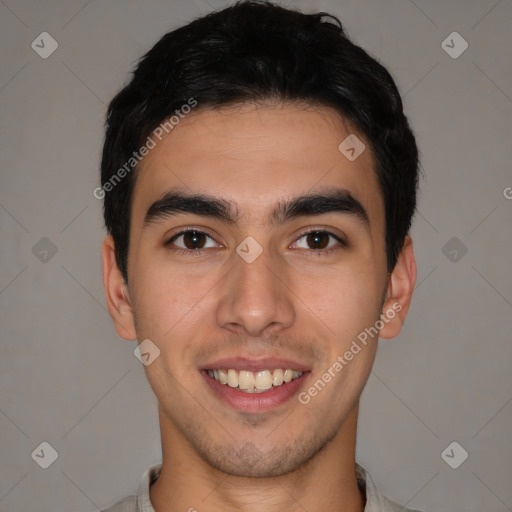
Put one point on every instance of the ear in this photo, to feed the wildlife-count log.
(116, 292)
(399, 292)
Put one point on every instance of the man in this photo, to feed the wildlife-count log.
(259, 179)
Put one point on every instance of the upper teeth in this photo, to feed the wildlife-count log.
(254, 381)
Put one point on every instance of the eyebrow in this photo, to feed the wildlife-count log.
(332, 201)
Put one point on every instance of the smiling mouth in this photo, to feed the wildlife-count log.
(254, 382)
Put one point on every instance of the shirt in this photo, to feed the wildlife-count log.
(375, 502)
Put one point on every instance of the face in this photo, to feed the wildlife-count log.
(257, 255)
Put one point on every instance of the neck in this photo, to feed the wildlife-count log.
(327, 481)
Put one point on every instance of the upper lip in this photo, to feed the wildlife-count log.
(255, 365)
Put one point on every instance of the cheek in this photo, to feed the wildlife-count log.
(171, 302)
(346, 300)
(348, 305)
(161, 299)
(168, 310)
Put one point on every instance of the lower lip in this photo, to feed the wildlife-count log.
(255, 402)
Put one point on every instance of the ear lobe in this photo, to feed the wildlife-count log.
(399, 292)
(116, 292)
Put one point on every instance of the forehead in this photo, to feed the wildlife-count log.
(255, 156)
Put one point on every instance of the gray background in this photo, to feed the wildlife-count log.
(67, 379)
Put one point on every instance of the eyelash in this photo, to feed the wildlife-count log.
(320, 252)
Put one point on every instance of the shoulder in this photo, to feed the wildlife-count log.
(387, 505)
(375, 501)
(128, 504)
(140, 501)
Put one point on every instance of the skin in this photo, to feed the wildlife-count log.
(293, 302)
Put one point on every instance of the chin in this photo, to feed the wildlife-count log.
(252, 461)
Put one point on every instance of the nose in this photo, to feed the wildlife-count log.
(255, 299)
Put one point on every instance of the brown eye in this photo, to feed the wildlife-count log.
(192, 240)
(317, 240)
